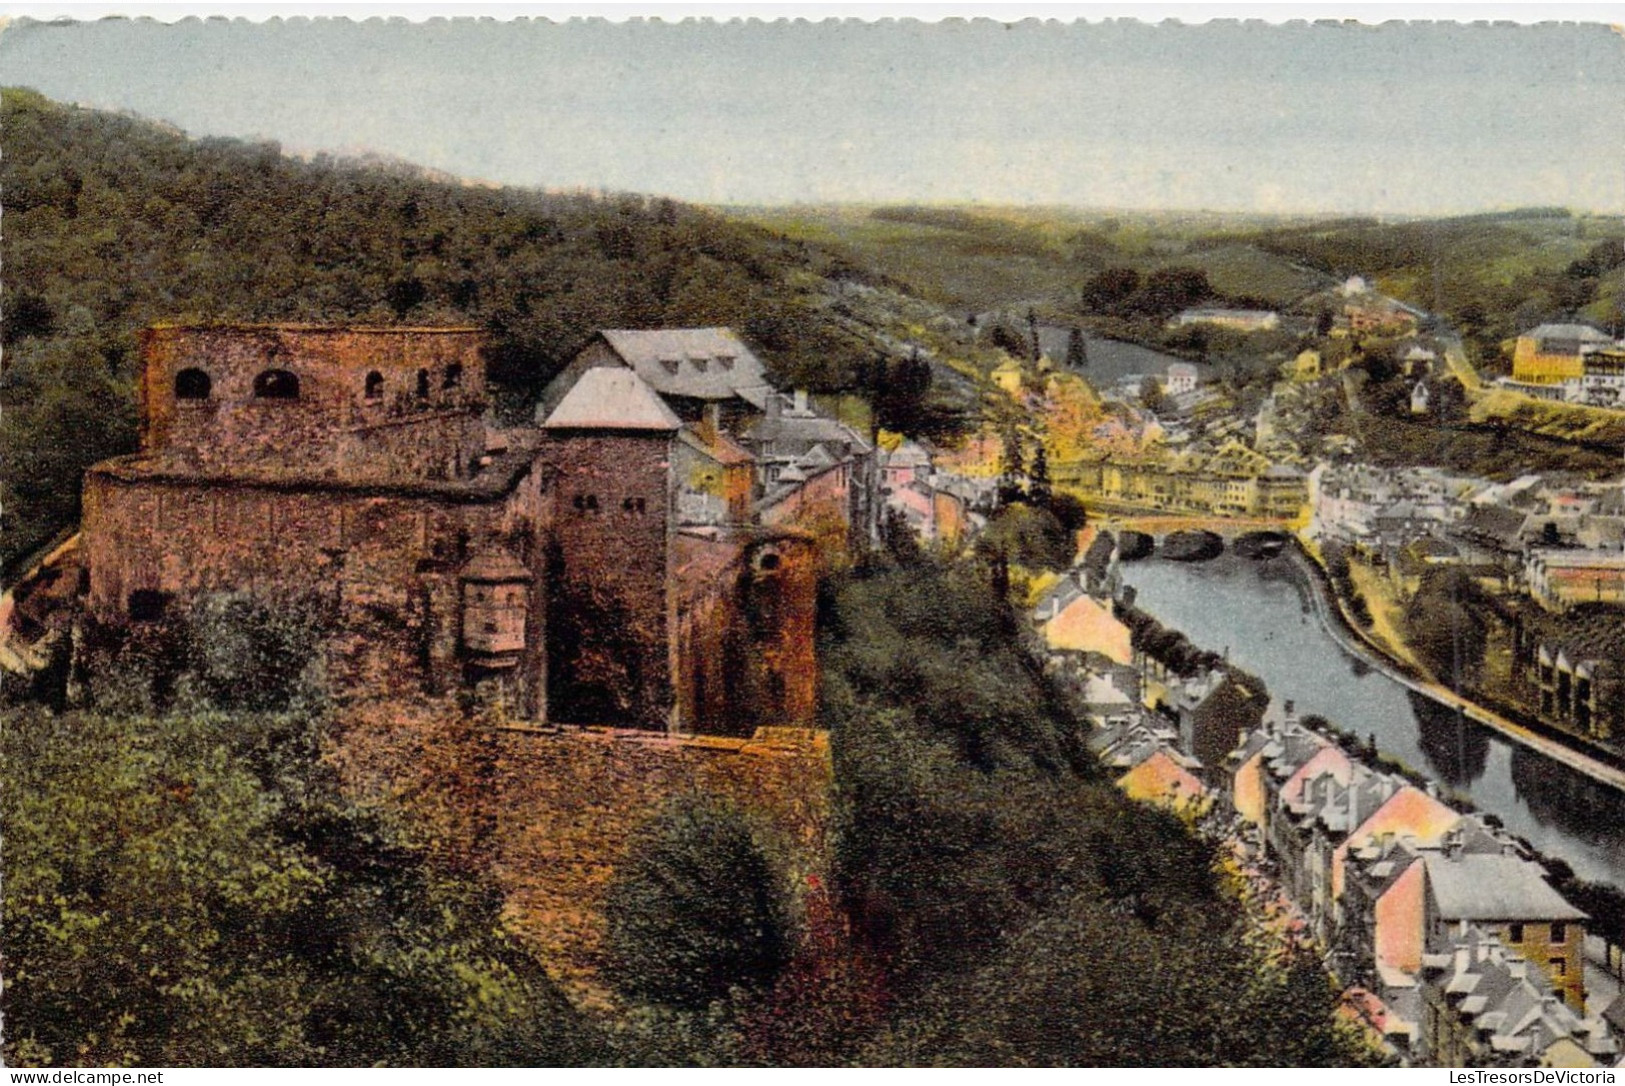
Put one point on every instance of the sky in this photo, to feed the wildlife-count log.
(1302, 117)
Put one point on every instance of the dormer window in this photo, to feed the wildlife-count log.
(726, 361)
(375, 385)
(671, 364)
(700, 364)
(192, 384)
(276, 385)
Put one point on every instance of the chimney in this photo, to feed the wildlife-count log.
(775, 405)
(801, 401)
(710, 423)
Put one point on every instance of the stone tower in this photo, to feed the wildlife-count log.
(609, 446)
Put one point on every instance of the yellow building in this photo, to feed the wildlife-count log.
(1008, 376)
(1554, 353)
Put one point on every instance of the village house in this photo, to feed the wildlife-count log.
(1509, 897)
(694, 370)
(1231, 480)
(813, 468)
(1212, 709)
(1008, 377)
(1375, 315)
(939, 507)
(1182, 379)
(1554, 354)
(1570, 671)
(1168, 780)
(1560, 579)
(1418, 361)
(1241, 320)
(1485, 1006)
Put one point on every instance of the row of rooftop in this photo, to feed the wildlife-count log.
(1453, 945)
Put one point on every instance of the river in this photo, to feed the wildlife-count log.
(1261, 614)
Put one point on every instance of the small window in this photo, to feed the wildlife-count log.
(768, 562)
(147, 605)
(490, 627)
(633, 505)
(375, 385)
(1560, 932)
(1560, 968)
(276, 385)
(1515, 933)
(586, 502)
(423, 384)
(453, 377)
(592, 503)
(192, 384)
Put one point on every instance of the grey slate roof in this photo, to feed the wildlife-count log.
(701, 363)
(1477, 886)
(611, 399)
(1578, 333)
(794, 435)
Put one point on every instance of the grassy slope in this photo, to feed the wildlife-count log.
(993, 257)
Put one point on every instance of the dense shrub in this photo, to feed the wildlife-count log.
(697, 909)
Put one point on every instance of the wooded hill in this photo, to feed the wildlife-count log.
(113, 223)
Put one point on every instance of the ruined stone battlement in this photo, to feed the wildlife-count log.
(238, 395)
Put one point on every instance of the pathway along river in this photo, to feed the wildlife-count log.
(1261, 613)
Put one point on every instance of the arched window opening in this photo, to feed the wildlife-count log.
(192, 384)
(276, 385)
(423, 384)
(375, 385)
(454, 376)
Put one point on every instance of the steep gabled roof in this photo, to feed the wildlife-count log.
(604, 398)
(1474, 886)
(701, 363)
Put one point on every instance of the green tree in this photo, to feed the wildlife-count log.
(1445, 626)
(1077, 354)
(1012, 469)
(1168, 290)
(193, 890)
(1039, 489)
(1028, 535)
(697, 908)
(1152, 397)
(1108, 291)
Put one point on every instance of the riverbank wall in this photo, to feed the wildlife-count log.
(1331, 610)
